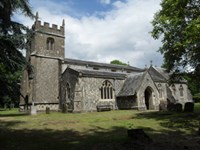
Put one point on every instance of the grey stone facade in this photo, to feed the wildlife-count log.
(82, 86)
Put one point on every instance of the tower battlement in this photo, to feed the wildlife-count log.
(47, 28)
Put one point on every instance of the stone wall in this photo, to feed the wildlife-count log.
(86, 91)
(147, 82)
(42, 33)
(69, 78)
(176, 92)
(46, 80)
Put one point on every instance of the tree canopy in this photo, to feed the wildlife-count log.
(177, 23)
(118, 62)
(13, 38)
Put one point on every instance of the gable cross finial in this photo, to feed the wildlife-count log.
(151, 63)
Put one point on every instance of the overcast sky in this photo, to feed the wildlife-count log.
(103, 30)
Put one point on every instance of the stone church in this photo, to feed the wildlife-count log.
(83, 86)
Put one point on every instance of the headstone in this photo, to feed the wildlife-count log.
(33, 110)
(139, 135)
(47, 110)
(189, 107)
(178, 107)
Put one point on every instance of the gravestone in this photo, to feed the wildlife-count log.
(178, 107)
(139, 135)
(47, 110)
(64, 109)
(33, 110)
(138, 140)
(189, 107)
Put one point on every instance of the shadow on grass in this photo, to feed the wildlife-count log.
(8, 124)
(96, 138)
(14, 115)
(173, 120)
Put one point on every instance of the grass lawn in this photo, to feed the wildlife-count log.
(97, 130)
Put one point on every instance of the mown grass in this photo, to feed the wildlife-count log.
(97, 130)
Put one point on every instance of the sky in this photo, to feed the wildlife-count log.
(103, 30)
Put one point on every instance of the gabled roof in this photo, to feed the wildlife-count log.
(161, 75)
(99, 74)
(131, 84)
(157, 76)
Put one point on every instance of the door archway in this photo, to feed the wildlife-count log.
(148, 97)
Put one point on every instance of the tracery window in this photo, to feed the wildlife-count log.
(50, 43)
(181, 90)
(106, 90)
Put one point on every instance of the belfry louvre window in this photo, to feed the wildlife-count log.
(50, 43)
(106, 90)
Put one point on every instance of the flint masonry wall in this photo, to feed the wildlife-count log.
(42, 33)
(92, 94)
(85, 91)
(46, 82)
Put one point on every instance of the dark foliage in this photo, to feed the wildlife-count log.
(13, 39)
(177, 23)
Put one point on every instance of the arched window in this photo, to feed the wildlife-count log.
(50, 43)
(181, 90)
(106, 90)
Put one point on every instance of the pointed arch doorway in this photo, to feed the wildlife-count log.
(148, 98)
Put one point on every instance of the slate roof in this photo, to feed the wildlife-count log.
(163, 72)
(131, 84)
(102, 65)
(157, 76)
(99, 74)
(161, 75)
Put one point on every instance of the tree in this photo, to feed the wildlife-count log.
(13, 38)
(118, 62)
(178, 24)
(193, 85)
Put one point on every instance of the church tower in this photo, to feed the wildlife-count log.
(48, 41)
(41, 87)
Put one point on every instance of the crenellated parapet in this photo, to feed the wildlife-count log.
(47, 28)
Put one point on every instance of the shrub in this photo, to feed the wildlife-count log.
(196, 98)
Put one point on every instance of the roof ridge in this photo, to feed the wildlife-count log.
(100, 63)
